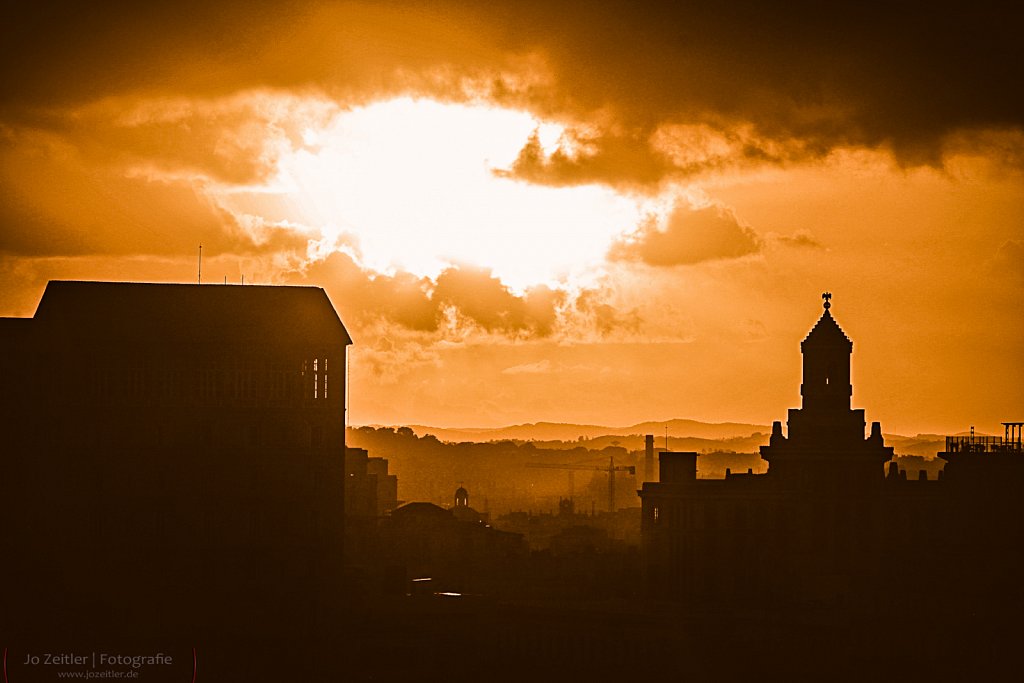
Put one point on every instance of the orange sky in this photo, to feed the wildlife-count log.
(599, 213)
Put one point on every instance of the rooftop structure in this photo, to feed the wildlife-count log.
(1010, 442)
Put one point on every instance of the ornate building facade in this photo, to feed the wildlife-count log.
(829, 524)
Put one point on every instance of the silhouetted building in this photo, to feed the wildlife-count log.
(825, 525)
(173, 461)
(449, 550)
(463, 512)
(370, 493)
(826, 451)
(387, 484)
(981, 500)
(539, 529)
(360, 486)
(370, 490)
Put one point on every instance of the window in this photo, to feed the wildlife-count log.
(316, 378)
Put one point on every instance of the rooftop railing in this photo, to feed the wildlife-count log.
(981, 444)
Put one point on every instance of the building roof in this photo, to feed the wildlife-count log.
(422, 510)
(250, 314)
(827, 332)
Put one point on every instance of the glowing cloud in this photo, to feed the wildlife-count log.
(410, 185)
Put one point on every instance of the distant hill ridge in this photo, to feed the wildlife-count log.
(740, 436)
(558, 431)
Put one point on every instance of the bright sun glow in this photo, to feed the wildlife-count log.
(413, 182)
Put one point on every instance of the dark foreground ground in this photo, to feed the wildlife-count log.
(466, 638)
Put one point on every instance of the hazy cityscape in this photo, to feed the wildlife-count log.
(431, 340)
(192, 475)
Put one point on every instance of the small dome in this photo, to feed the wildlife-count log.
(461, 497)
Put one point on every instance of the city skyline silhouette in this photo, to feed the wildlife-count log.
(178, 474)
(537, 341)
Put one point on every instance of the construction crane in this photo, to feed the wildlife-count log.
(611, 469)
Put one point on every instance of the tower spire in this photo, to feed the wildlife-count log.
(826, 443)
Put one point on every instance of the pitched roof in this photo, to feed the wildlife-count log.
(421, 509)
(827, 332)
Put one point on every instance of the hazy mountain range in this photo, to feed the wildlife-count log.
(495, 464)
(558, 431)
(684, 434)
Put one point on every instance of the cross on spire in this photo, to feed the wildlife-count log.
(826, 296)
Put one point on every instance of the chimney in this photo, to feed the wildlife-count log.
(876, 433)
(678, 467)
(649, 474)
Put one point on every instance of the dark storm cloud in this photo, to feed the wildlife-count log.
(902, 75)
(690, 236)
(66, 53)
(70, 52)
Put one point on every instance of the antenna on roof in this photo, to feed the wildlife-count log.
(200, 263)
(243, 278)
(225, 279)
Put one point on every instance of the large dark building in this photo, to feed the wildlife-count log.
(830, 525)
(172, 461)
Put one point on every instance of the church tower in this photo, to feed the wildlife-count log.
(826, 447)
(826, 350)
